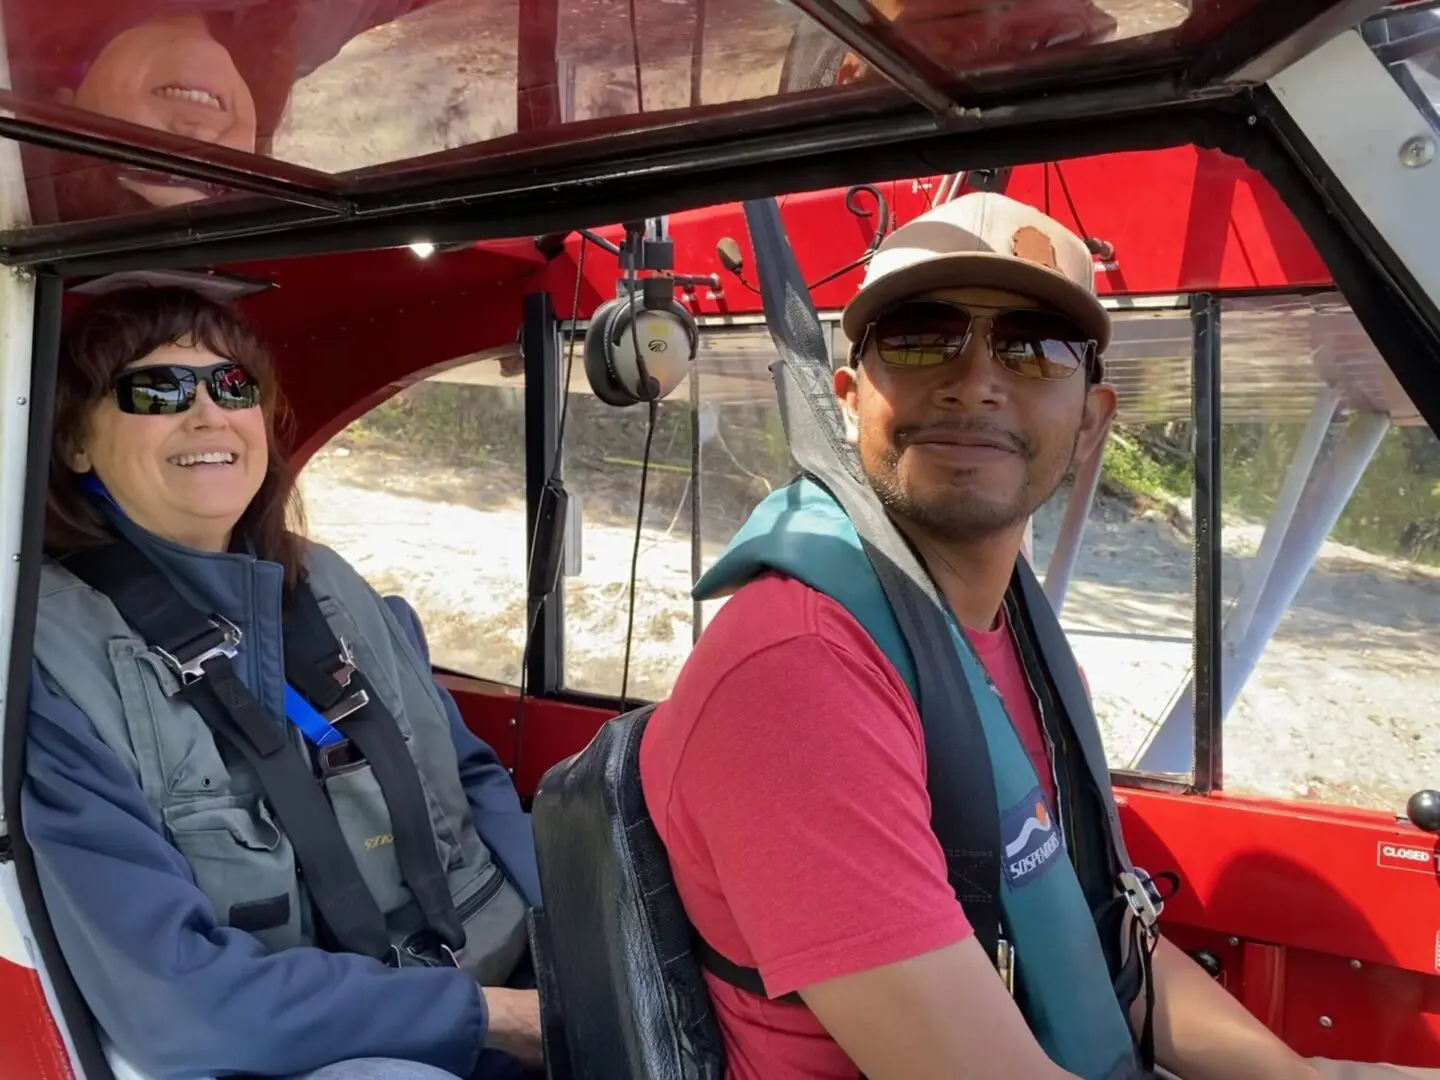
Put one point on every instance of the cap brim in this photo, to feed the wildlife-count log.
(979, 268)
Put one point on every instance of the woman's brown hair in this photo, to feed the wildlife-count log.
(112, 332)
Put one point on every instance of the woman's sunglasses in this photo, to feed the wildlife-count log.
(167, 389)
(1030, 342)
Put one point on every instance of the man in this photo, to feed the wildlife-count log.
(216, 71)
(786, 775)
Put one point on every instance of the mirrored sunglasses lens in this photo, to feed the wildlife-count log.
(233, 388)
(1040, 344)
(921, 334)
(155, 391)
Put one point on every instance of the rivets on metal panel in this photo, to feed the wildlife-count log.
(1326, 1022)
(1234, 941)
(1354, 965)
(1417, 151)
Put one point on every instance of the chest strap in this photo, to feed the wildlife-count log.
(200, 650)
(324, 672)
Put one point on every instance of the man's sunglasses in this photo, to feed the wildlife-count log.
(167, 389)
(1030, 342)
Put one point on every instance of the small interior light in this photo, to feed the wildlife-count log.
(423, 249)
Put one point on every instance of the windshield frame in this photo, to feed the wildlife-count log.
(798, 139)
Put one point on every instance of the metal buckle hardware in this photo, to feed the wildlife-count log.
(352, 704)
(1143, 896)
(1005, 964)
(413, 946)
(346, 669)
(193, 670)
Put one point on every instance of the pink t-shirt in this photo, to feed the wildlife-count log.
(786, 777)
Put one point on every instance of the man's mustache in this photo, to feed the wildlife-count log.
(955, 429)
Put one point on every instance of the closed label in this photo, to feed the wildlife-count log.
(1392, 856)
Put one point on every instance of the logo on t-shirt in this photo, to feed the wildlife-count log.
(1031, 839)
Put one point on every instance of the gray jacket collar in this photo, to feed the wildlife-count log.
(222, 583)
(236, 585)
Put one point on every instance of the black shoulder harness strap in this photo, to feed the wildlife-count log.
(1064, 674)
(199, 649)
(310, 653)
(1139, 893)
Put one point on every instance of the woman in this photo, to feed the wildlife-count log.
(199, 912)
(218, 71)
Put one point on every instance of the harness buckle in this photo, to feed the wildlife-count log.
(1005, 964)
(1143, 896)
(421, 950)
(193, 670)
(347, 668)
(352, 704)
(339, 755)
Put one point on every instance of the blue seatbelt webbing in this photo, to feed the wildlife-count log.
(305, 717)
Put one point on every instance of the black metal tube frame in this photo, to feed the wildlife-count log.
(544, 398)
(1208, 586)
(473, 177)
(44, 360)
(553, 196)
(882, 45)
(59, 127)
(1269, 38)
(697, 505)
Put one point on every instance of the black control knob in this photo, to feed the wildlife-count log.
(1208, 961)
(1423, 810)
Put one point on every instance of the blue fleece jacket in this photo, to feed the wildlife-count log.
(183, 997)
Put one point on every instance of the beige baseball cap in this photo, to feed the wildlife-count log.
(989, 240)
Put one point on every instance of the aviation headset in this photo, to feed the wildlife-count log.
(640, 345)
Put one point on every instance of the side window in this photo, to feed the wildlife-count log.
(1330, 534)
(425, 495)
(1408, 44)
(1114, 546)
(604, 459)
(1331, 486)
(727, 421)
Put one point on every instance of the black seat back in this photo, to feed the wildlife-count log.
(615, 947)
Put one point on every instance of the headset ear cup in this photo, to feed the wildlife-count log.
(692, 328)
(599, 367)
(667, 368)
(622, 381)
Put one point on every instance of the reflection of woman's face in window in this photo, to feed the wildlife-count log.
(171, 74)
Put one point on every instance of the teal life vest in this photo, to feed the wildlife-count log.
(1062, 972)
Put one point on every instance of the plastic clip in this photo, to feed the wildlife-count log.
(1143, 896)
